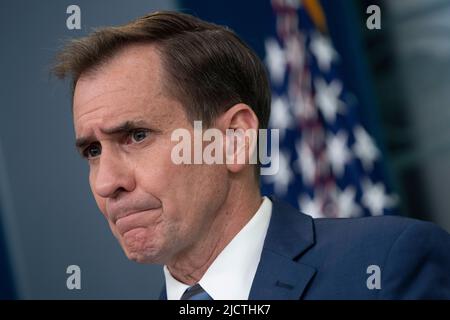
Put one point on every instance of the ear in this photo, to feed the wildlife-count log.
(240, 127)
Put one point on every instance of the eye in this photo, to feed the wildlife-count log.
(138, 135)
(92, 151)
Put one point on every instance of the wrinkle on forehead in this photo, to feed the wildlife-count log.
(102, 94)
(128, 85)
(136, 67)
(162, 111)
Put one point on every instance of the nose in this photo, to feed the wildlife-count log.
(112, 175)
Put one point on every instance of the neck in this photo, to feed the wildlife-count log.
(237, 210)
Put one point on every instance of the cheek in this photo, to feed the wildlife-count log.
(198, 191)
(153, 169)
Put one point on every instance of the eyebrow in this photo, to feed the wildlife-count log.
(124, 127)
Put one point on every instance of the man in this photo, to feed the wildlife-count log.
(135, 85)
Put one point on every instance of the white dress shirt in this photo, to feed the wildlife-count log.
(231, 274)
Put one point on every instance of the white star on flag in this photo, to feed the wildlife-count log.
(310, 206)
(345, 201)
(305, 162)
(284, 177)
(281, 117)
(375, 198)
(323, 50)
(338, 152)
(275, 61)
(364, 148)
(327, 98)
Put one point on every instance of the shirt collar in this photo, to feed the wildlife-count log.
(231, 275)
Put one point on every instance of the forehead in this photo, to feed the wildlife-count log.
(130, 83)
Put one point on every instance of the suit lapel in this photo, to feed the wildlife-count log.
(279, 275)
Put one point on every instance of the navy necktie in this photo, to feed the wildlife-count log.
(195, 292)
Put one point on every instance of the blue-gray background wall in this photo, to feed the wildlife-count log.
(49, 217)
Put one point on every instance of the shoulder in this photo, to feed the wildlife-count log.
(380, 230)
(413, 255)
(386, 237)
(382, 227)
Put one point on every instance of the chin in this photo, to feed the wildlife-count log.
(139, 258)
(144, 255)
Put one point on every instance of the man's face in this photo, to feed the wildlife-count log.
(156, 209)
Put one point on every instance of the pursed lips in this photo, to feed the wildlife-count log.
(133, 219)
(117, 212)
(129, 213)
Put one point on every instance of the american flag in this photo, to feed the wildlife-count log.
(329, 164)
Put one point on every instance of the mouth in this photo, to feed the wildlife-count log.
(121, 216)
(135, 219)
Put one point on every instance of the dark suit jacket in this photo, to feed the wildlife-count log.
(305, 258)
